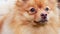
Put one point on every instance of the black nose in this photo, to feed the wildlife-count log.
(44, 16)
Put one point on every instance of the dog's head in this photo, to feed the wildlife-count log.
(36, 11)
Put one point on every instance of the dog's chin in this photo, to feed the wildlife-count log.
(41, 22)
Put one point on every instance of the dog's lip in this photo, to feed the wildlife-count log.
(41, 21)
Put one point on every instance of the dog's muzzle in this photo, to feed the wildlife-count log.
(43, 19)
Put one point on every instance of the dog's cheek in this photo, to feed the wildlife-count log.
(27, 16)
(51, 16)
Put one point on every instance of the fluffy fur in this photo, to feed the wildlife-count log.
(21, 21)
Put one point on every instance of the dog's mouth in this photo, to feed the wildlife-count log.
(41, 21)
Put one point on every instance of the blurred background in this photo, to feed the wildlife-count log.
(59, 4)
(59, 7)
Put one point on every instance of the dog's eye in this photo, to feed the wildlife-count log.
(32, 11)
(46, 9)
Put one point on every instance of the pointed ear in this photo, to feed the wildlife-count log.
(52, 4)
(21, 2)
(52, 1)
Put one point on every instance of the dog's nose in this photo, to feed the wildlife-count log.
(44, 16)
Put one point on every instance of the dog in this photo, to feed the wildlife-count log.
(32, 17)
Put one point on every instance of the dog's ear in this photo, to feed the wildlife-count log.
(24, 3)
(52, 1)
(21, 2)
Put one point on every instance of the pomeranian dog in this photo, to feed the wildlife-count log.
(32, 17)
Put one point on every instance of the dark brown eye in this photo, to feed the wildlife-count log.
(32, 9)
(46, 8)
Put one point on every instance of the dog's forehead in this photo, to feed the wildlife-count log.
(37, 2)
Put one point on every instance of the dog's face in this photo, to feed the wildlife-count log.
(36, 11)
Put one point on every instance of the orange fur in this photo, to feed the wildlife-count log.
(20, 20)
